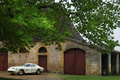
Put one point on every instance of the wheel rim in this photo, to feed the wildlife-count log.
(20, 72)
(38, 71)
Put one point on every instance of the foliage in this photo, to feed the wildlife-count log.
(23, 20)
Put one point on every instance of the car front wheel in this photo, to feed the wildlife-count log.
(38, 72)
(21, 72)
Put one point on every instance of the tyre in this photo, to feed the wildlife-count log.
(38, 72)
(21, 72)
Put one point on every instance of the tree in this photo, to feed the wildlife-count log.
(23, 20)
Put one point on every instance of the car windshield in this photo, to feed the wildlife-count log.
(26, 65)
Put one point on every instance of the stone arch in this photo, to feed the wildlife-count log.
(76, 47)
(42, 50)
(43, 58)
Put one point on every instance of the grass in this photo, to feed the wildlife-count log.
(75, 77)
(78, 77)
(8, 79)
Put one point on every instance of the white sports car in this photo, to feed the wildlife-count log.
(26, 68)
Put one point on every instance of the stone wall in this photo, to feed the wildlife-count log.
(93, 57)
(93, 62)
(21, 58)
(55, 60)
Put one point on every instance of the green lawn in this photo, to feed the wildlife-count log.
(8, 79)
(75, 77)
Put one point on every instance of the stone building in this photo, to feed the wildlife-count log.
(75, 58)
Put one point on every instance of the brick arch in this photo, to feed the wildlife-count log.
(74, 61)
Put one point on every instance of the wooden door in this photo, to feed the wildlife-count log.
(43, 62)
(74, 62)
(79, 62)
(69, 62)
(3, 61)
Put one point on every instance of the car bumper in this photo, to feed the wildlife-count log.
(12, 71)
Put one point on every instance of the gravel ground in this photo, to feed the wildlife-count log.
(42, 76)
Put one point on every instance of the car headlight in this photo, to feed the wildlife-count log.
(15, 69)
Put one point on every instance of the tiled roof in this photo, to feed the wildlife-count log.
(76, 36)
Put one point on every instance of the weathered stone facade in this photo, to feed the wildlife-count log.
(55, 58)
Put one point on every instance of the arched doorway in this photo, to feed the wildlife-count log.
(43, 58)
(74, 62)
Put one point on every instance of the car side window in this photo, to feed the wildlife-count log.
(28, 65)
(32, 65)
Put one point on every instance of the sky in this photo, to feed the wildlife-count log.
(117, 37)
(116, 33)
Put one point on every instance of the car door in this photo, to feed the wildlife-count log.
(28, 68)
(33, 68)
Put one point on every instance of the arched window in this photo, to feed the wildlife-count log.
(42, 50)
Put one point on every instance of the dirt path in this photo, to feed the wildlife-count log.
(43, 76)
